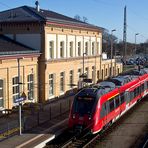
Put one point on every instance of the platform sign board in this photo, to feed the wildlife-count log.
(21, 98)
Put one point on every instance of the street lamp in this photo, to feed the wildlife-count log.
(20, 115)
(136, 49)
(112, 49)
(135, 42)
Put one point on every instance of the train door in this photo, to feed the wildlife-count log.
(103, 114)
(107, 112)
(122, 100)
(117, 102)
(145, 89)
(127, 97)
(142, 89)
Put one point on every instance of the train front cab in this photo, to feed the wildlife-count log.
(82, 112)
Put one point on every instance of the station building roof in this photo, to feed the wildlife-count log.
(30, 14)
(12, 49)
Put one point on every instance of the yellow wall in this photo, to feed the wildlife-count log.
(45, 66)
(9, 69)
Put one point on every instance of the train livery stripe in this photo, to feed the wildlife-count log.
(113, 96)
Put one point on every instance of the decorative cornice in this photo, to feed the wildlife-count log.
(16, 56)
(72, 26)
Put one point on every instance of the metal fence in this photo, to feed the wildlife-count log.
(47, 113)
(10, 125)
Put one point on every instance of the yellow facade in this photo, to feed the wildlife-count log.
(9, 70)
(54, 76)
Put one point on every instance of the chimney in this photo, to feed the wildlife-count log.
(37, 6)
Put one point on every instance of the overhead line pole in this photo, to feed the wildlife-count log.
(124, 37)
(20, 109)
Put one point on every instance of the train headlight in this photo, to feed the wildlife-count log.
(73, 116)
(89, 117)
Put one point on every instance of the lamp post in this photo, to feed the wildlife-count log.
(136, 49)
(135, 42)
(20, 105)
(112, 50)
(115, 58)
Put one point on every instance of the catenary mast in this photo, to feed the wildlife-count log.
(124, 36)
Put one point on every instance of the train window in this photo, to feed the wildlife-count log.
(138, 90)
(111, 105)
(142, 88)
(145, 85)
(103, 111)
(83, 106)
(122, 98)
(107, 107)
(117, 101)
(86, 98)
(132, 94)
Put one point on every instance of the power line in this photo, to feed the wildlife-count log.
(137, 14)
(5, 5)
(134, 31)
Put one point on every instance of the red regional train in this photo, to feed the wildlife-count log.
(100, 105)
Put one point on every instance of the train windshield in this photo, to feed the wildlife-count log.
(84, 103)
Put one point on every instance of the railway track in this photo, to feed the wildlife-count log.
(69, 140)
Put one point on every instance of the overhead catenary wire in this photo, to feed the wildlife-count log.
(134, 31)
(3, 4)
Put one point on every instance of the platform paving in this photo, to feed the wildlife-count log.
(39, 136)
(48, 128)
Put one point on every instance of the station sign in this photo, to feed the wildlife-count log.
(21, 98)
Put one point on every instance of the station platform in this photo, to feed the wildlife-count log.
(39, 136)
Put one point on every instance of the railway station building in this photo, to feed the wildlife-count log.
(13, 54)
(61, 49)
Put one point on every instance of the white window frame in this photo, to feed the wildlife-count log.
(71, 78)
(79, 48)
(30, 86)
(62, 82)
(51, 49)
(51, 85)
(86, 48)
(93, 48)
(71, 49)
(15, 88)
(62, 49)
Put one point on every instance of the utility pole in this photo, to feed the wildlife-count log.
(20, 105)
(112, 50)
(124, 37)
(135, 42)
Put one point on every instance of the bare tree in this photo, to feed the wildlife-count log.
(85, 19)
(77, 17)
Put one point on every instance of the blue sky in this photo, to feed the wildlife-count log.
(103, 13)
